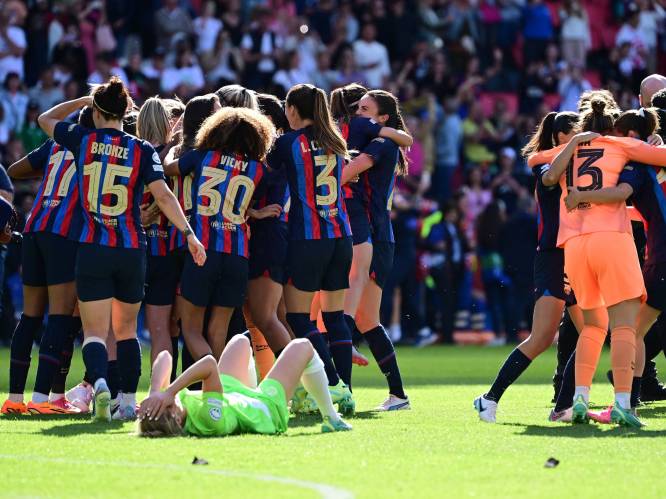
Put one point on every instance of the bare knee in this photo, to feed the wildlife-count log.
(301, 347)
(239, 339)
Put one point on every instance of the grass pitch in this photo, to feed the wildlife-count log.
(438, 449)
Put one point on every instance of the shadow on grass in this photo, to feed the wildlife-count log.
(306, 420)
(584, 431)
(75, 429)
(652, 411)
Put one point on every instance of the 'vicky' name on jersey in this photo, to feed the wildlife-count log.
(231, 162)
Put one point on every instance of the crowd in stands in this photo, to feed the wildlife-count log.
(474, 78)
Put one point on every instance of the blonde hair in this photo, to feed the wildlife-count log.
(165, 426)
(237, 96)
(153, 122)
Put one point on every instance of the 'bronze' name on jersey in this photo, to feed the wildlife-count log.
(119, 152)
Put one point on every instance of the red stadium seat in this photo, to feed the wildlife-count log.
(488, 99)
(552, 101)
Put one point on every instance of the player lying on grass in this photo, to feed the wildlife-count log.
(228, 404)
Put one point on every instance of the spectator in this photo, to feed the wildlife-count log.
(185, 78)
(290, 74)
(31, 135)
(475, 197)
(537, 30)
(69, 56)
(14, 101)
(208, 27)
(324, 77)
(574, 33)
(105, 68)
(261, 48)
(224, 64)
(633, 38)
(12, 45)
(449, 138)
(346, 69)
(478, 132)
(572, 85)
(399, 30)
(37, 49)
(371, 57)
(344, 18)
(47, 92)
(172, 21)
(505, 185)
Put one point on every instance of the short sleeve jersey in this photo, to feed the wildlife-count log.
(596, 166)
(548, 209)
(358, 132)
(649, 198)
(112, 168)
(158, 232)
(379, 183)
(57, 199)
(317, 209)
(222, 187)
(275, 190)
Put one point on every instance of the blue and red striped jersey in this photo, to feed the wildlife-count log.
(649, 198)
(317, 209)
(548, 210)
(112, 167)
(358, 132)
(222, 189)
(274, 190)
(157, 233)
(57, 199)
(378, 183)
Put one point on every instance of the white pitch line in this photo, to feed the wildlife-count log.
(325, 491)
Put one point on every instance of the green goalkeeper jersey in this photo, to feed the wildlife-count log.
(239, 409)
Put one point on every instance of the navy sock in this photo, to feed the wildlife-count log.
(96, 360)
(21, 346)
(302, 327)
(340, 344)
(384, 354)
(565, 397)
(174, 358)
(113, 378)
(50, 350)
(356, 335)
(60, 378)
(129, 364)
(513, 367)
(635, 391)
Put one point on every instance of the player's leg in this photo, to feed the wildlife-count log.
(264, 295)
(299, 361)
(647, 317)
(158, 322)
(218, 327)
(59, 383)
(263, 355)
(34, 306)
(162, 275)
(359, 275)
(236, 359)
(196, 286)
(193, 323)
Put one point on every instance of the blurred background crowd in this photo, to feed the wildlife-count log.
(474, 78)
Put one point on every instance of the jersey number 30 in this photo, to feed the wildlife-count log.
(232, 209)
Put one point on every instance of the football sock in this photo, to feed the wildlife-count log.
(623, 355)
(566, 394)
(315, 381)
(113, 379)
(129, 365)
(60, 378)
(174, 358)
(588, 351)
(263, 355)
(584, 391)
(302, 327)
(566, 342)
(50, 351)
(21, 347)
(623, 399)
(384, 354)
(340, 344)
(95, 358)
(635, 391)
(513, 367)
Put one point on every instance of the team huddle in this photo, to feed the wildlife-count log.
(233, 200)
(587, 165)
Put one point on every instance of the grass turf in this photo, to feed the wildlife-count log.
(439, 448)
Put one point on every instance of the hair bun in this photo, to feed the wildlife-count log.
(598, 105)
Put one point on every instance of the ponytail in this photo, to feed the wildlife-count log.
(546, 133)
(344, 101)
(598, 118)
(311, 104)
(387, 104)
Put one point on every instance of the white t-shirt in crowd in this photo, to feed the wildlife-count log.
(266, 64)
(10, 63)
(206, 29)
(366, 53)
(191, 76)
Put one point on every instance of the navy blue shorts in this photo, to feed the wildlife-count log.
(221, 282)
(47, 259)
(549, 276)
(163, 276)
(104, 272)
(382, 261)
(319, 264)
(268, 250)
(359, 221)
(655, 284)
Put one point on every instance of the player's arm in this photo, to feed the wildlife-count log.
(559, 165)
(171, 168)
(400, 137)
(171, 208)
(204, 370)
(49, 119)
(358, 165)
(272, 210)
(607, 195)
(23, 169)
